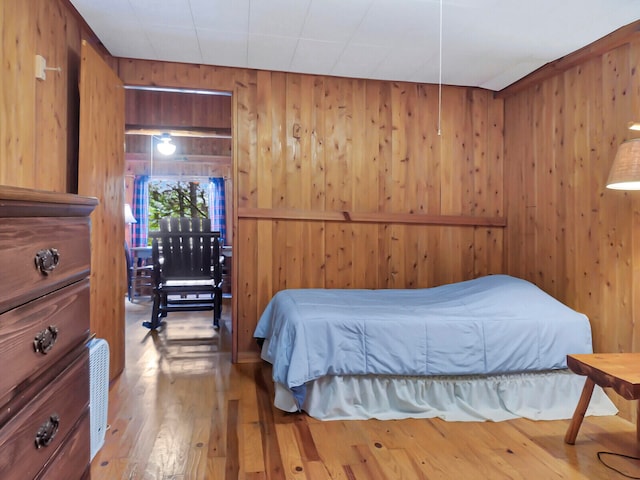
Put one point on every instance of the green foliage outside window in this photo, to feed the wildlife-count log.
(176, 199)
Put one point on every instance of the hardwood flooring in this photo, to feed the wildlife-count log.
(182, 411)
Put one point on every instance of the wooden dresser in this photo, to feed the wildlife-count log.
(45, 260)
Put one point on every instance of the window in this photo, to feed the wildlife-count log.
(156, 198)
(170, 198)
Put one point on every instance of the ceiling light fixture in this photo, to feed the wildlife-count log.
(165, 146)
(625, 171)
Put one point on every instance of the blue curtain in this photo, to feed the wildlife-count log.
(140, 210)
(217, 207)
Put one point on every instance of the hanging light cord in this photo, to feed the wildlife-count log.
(440, 78)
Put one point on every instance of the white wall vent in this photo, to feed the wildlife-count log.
(98, 392)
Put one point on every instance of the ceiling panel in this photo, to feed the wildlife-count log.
(488, 43)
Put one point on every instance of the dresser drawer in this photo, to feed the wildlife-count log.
(58, 321)
(66, 465)
(56, 409)
(63, 244)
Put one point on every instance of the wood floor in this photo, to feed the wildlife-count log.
(182, 411)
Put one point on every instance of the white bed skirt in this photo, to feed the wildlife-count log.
(549, 395)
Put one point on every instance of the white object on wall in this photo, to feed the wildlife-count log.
(98, 392)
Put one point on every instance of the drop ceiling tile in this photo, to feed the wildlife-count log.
(277, 17)
(221, 15)
(400, 63)
(360, 60)
(328, 36)
(176, 44)
(510, 75)
(271, 52)
(163, 12)
(223, 48)
(313, 56)
(334, 20)
(123, 41)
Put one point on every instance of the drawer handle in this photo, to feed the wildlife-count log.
(45, 340)
(47, 260)
(47, 431)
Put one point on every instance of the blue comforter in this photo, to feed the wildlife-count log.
(493, 324)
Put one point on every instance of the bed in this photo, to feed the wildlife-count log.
(492, 348)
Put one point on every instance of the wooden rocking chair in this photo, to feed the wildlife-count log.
(187, 275)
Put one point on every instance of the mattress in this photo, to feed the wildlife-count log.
(495, 324)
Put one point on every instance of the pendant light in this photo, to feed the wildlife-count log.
(165, 146)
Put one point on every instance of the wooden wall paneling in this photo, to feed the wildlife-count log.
(542, 137)
(409, 187)
(481, 171)
(515, 147)
(467, 180)
(445, 265)
(250, 275)
(311, 233)
(101, 174)
(548, 151)
(177, 109)
(350, 156)
(537, 150)
(596, 179)
(577, 239)
(318, 147)
(278, 172)
(568, 168)
(631, 330)
(423, 159)
(75, 32)
(456, 186)
(335, 178)
(385, 147)
(489, 173)
(51, 109)
(571, 172)
(195, 166)
(634, 103)
(178, 75)
(346, 160)
(170, 108)
(294, 181)
(431, 155)
(17, 81)
(368, 182)
(402, 100)
(365, 140)
(617, 222)
(251, 282)
(615, 329)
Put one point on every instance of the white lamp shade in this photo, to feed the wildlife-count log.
(128, 214)
(625, 171)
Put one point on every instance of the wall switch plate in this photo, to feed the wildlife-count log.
(41, 68)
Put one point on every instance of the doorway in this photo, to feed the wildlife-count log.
(198, 126)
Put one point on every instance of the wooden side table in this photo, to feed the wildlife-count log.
(620, 371)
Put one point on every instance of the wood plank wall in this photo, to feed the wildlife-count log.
(567, 233)
(185, 110)
(338, 182)
(39, 118)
